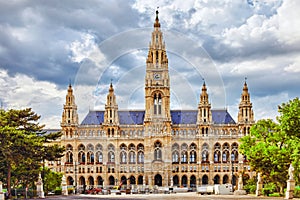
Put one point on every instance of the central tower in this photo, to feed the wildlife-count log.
(157, 81)
(157, 121)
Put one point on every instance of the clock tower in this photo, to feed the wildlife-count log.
(157, 121)
(157, 81)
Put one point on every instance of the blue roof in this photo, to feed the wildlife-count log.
(131, 117)
(178, 117)
(222, 117)
(93, 118)
(184, 116)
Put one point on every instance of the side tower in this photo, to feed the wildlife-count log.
(245, 115)
(204, 116)
(157, 119)
(69, 121)
(111, 118)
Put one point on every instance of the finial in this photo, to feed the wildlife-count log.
(111, 86)
(70, 82)
(203, 81)
(245, 79)
(157, 24)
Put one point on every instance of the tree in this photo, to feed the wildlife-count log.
(52, 180)
(271, 147)
(23, 145)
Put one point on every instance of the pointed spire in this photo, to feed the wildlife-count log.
(157, 24)
(245, 88)
(204, 86)
(111, 88)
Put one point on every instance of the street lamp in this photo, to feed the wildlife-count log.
(232, 159)
(75, 169)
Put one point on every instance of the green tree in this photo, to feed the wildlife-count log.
(271, 147)
(23, 145)
(52, 180)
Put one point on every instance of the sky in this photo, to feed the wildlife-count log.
(45, 45)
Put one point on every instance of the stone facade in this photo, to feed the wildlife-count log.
(155, 146)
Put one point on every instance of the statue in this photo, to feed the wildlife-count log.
(240, 182)
(291, 172)
(258, 185)
(290, 188)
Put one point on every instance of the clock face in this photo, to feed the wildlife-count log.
(156, 76)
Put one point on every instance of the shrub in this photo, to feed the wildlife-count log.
(297, 192)
(269, 188)
(250, 186)
(58, 191)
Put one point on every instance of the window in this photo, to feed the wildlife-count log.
(141, 157)
(184, 157)
(123, 157)
(111, 157)
(157, 104)
(175, 156)
(132, 157)
(193, 157)
(157, 151)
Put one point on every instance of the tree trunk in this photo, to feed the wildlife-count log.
(9, 179)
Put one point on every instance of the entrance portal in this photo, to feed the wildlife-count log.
(158, 180)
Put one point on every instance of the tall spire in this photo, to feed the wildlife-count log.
(157, 24)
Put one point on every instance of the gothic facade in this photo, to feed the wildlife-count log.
(154, 146)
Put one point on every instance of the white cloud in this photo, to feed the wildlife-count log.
(21, 91)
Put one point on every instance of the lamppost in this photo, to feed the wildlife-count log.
(75, 165)
(232, 160)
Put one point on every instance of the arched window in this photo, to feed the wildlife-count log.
(69, 157)
(99, 157)
(123, 157)
(132, 157)
(193, 156)
(217, 153)
(157, 104)
(140, 157)
(183, 157)
(205, 155)
(175, 157)
(157, 151)
(111, 157)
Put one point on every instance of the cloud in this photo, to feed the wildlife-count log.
(21, 91)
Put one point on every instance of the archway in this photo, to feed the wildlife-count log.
(158, 180)
(193, 181)
(124, 180)
(81, 180)
(225, 179)
(99, 181)
(217, 179)
(91, 182)
(184, 181)
(132, 180)
(175, 180)
(204, 180)
(140, 180)
(111, 180)
(70, 180)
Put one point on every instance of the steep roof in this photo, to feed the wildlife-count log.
(93, 118)
(222, 117)
(133, 117)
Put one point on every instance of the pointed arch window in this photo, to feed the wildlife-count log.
(157, 151)
(157, 104)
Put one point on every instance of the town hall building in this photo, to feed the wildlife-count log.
(157, 145)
